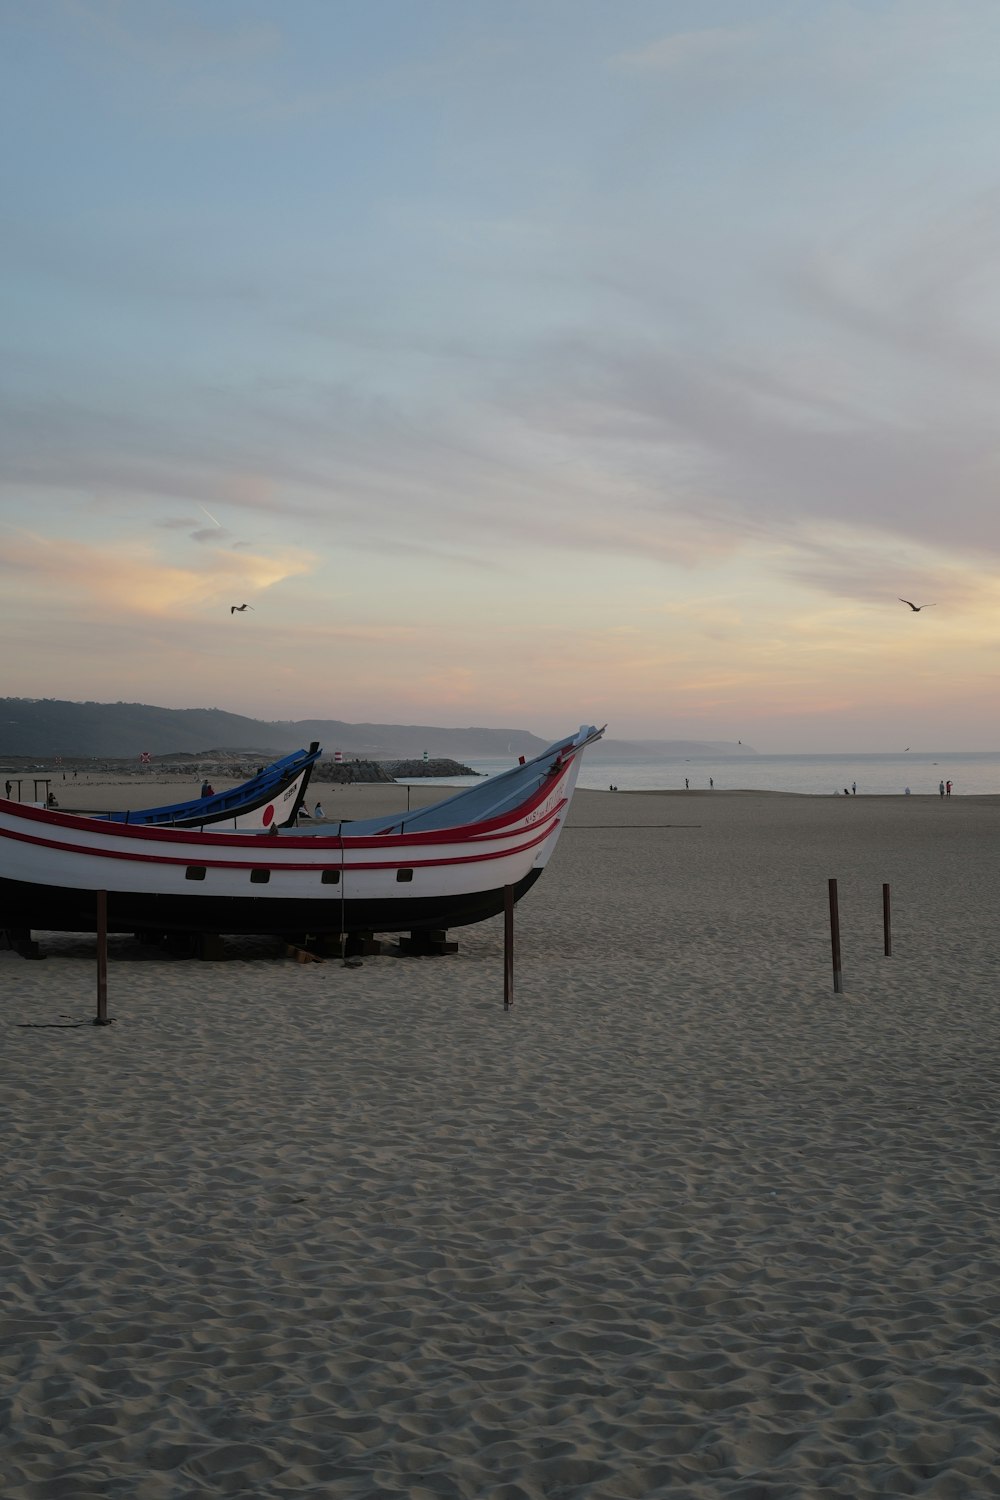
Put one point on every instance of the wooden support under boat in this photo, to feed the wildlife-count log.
(337, 944)
(426, 944)
(208, 946)
(20, 941)
(303, 955)
(362, 945)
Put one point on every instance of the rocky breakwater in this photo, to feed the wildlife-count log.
(386, 770)
(409, 770)
(349, 771)
(360, 770)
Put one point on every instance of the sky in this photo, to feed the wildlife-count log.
(521, 363)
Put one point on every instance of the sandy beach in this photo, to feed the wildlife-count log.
(684, 1222)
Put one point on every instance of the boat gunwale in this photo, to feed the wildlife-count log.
(540, 831)
(459, 832)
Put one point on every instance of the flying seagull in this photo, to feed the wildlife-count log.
(237, 609)
(916, 607)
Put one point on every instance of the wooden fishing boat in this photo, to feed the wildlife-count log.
(435, 867)
(271, 798)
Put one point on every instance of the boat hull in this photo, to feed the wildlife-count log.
(448, 865)
(25, 907)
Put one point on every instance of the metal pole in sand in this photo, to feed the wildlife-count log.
(838, 978)
(508, 946)
(886, 921)
(101, 1019)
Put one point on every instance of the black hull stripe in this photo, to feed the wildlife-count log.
(62, 909)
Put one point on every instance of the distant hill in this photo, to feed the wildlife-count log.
(46, 727)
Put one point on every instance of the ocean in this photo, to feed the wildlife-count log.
(971, 772)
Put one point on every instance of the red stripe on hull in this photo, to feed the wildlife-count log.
(279, 865)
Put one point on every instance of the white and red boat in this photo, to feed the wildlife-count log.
(436, 867)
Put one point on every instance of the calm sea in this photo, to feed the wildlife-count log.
(970, 772)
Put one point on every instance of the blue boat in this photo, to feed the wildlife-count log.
(271, 799)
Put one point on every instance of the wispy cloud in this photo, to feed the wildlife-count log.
(685, 49)
(123, 579)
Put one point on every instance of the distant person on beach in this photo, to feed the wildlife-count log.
(711, 782)
(687, 785)
(50, 800)
(206, 788)
(7, 788)
(947, 788)
(906, 792)
(318, 811)
(854, 788)
(941, 789)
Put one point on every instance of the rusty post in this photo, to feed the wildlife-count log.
(838, 978)
(101, 1019)
(886, 921)
(508, 946)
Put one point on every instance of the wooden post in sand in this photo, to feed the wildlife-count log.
(101, 1019)
(886, 921)
(838, 978)
(508, 946)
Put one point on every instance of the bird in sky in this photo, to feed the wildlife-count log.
(237, 609)
(915, 607)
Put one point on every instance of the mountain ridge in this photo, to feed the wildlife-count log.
(51, 727)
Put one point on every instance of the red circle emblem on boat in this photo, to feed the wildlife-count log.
(268, 814)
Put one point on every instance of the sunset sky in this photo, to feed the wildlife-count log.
(520, 362)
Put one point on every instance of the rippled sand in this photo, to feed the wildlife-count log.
(684, 1222)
